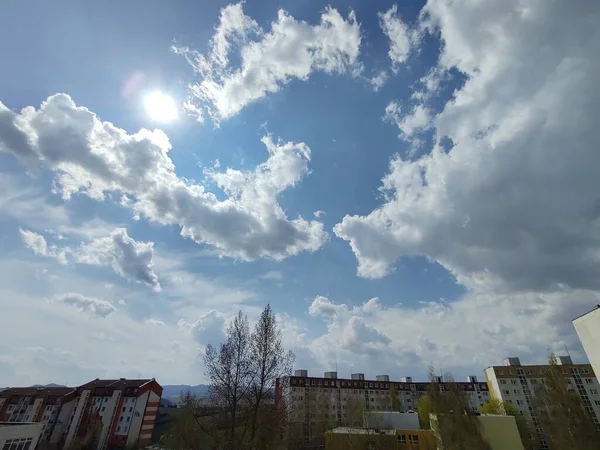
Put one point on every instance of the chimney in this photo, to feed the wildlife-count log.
(301, 373)
(383, 378)
(472, 379)
(358, 376)
(406, 380)
(331, 375)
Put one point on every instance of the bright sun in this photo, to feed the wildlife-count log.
(161, 107)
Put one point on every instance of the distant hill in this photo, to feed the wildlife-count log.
(172, 392)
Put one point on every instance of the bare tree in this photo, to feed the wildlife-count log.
(269, 361)
(230, 374)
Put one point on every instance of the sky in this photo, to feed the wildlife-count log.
(406, 184)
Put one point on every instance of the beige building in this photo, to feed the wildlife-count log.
(516, 384)
(588, 330)
(315, 403)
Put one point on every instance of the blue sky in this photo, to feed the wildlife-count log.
(399, 181)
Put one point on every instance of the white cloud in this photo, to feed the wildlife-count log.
(319, 213)
(399, 34)
(417, 121)
(292, 49)
(208, 329)
(95, 158)
(477, 330)
(513, 205)
(156, 322)
(37, 243)
(97, 307)
(131, 259)
(272, 275)
(379, 80)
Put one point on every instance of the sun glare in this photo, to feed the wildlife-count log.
(160, 107)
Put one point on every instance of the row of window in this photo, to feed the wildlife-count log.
(17, 444)
(411, 439)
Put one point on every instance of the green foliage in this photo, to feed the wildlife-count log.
(455, 425)
(565, 422)
(423, 410)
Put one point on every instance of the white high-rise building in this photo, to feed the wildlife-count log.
(516, 384)
(588, 330)
(314, 401)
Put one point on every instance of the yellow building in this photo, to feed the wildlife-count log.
(346, 438)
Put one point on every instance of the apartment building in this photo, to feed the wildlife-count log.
(49, 406)
(516, 384)
(588, 330)
(124, 412)
(116, 412)
(314, 401)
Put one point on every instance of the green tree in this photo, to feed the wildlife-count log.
(423, 410)
(565, 423)
(396, 403)
(455, 426)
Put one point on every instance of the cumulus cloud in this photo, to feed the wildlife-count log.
(94, 306)
(379, 80)
(513, 204)
(476, 330)
(131, 259)
(415, 122)
(127, 257)
(95, 158)
(401, 37)
(208, 329)
(38, 244)
(291, 49)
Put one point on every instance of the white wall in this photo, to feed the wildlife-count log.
(137, 418)
(588, 330)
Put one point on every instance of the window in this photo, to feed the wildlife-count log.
(506, 391)
(103, 408)
(121, 419)
(119, 428)
(500, 371)
(401, 439)
(129, 418)
(124, 408)
(589, 380)
(585, 371)
(502, 381)
(594, 391)
(517, 392)
(513, 382)
(415, 439)
(105, 399)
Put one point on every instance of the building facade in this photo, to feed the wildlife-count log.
(313, 403)
(588, 330)
(19, 435)
(114, 413)
(516, 384)
(49, 406)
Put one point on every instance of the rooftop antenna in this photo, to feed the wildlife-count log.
(567, 350)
